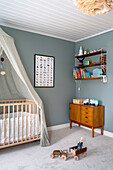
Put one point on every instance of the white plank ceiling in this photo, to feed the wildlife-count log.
(55, 18)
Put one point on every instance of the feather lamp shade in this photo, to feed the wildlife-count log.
(94, 7)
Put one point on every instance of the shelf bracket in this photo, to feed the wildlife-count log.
(81, 60)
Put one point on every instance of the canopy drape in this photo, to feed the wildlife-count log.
(23, 83)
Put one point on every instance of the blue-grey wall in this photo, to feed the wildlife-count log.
(56, 100)
(95, 88)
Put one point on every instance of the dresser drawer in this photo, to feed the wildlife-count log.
(86, 121)
(87, 117)
(87, 113)
(86, 109)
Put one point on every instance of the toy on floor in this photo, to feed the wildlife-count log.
(75, 152)
(80, 144)
(59, 153)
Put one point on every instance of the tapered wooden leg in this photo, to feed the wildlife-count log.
(79, 125)
(70, 124)
(92, 132)
(102, 130)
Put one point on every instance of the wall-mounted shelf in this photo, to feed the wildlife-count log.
(82, 74)
(91, 54)
(90, 65)
(89, 78)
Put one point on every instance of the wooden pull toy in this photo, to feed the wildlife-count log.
(75, 152)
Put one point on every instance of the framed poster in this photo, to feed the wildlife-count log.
(44, 71)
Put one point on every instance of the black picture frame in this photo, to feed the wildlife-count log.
(44, 71)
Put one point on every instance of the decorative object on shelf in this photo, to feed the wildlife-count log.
(86, 102)
(44, 71)
(103, 59)
(103, 70)
(87, 62)
(80, 54)
(93, 102)
(78, 101)
(94, 7)
(90, 51)
(80, 51)
(99, 49)
(85, 51)
(80, 63)
(97, 72)
(104, 79)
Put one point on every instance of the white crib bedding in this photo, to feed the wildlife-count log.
(2, 139)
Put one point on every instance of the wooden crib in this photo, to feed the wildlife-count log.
(19, 122)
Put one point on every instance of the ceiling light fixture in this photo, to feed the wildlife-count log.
(94, 7)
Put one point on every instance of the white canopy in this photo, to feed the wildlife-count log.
(23, 84)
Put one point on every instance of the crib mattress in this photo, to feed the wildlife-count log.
(30, 126)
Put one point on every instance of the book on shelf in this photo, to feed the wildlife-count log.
(79, 73)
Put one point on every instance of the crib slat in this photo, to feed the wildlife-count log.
(6, 109)
(2, 110)
(13, 125)
(17, 125)
(37, 120)
(4, 125)
(33, 121)
(26, 125)
(8, 124)
(30, 122)
(40, 120)
(22, 123)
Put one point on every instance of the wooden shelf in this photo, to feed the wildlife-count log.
(91, 54)
(90, 65)
(89, 78)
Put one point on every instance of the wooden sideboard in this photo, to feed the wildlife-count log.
(86, 115)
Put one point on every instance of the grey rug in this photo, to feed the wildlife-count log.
(34, 157)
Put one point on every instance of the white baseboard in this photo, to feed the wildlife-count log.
(106, 133)
(58, 127)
